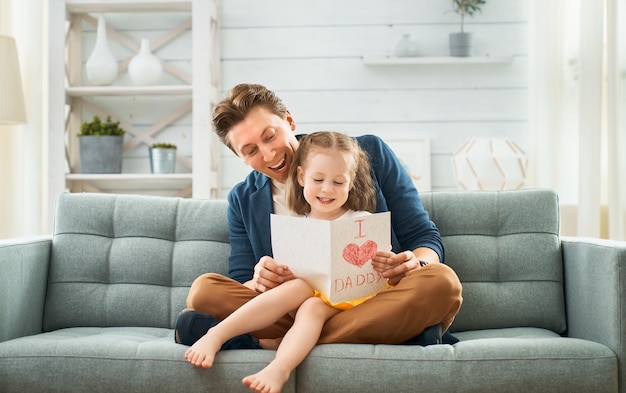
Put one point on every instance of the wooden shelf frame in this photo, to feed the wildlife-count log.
(85, 6)
(140, 136)
(179, 184)
(70, 96)
(77, 90)
(74, 73)
(164, 90)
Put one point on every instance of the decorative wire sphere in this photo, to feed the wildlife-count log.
(490, 164)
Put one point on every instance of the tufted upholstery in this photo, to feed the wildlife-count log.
(506, 251)
(128, 260)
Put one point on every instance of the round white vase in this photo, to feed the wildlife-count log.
(101, 67)
(145, 68)
(406, 47)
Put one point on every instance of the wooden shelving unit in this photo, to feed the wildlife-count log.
(70, 95)
(178, 183)
(93, 91)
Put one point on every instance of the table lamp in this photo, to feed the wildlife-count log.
(11, 96)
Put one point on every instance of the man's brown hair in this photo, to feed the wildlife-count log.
(239, 101)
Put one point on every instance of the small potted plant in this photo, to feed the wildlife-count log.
(163, 158)
(101, 146)
(461, 42)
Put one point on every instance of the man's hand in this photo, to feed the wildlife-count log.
(268, 274)
(394, 267)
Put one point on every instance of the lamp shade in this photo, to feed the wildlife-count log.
(11, 95)
(490, 164)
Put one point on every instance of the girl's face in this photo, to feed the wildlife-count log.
(326, 177)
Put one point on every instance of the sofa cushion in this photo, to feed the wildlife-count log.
(504, 246)
(506, 364)
(124, 260)
(120, 359)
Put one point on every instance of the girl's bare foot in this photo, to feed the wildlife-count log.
(202, 353)
(269, 380)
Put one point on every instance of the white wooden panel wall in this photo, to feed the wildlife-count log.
(310, 53)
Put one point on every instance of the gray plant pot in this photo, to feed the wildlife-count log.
(162, 160)
(101, 154)
(461, 44)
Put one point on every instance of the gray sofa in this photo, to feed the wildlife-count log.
(91, 308)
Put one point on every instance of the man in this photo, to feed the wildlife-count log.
(425, 295)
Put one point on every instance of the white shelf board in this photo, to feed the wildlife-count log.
(442, 60)
(85, 6)
(133, 181)
(85, 91)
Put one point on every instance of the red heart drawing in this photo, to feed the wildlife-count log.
(358, 256)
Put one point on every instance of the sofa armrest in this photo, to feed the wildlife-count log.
(23, 280)
(595, 293)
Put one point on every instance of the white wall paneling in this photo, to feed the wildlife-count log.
(311, 54)
(333, 74)
(357, 41)
(251, 13)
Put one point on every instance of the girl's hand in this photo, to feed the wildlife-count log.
(268, 274)
(394, 267)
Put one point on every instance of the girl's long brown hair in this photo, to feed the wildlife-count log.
(362, 196)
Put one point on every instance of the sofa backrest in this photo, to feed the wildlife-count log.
(123, 260)
(505, 248)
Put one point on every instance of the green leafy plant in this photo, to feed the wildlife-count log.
(161, 145)
(97, 127)
(466, 7)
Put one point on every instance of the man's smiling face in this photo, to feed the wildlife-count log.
(266, 142)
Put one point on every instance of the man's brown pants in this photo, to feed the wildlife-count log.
(426, 297)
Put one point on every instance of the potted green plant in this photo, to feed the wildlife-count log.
(163, 158)
(461, 42)
(101, 146)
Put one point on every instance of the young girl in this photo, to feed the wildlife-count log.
(329, 179)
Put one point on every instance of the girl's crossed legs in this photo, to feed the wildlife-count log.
(296, 345)
(262, 311)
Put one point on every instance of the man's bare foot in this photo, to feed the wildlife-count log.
(202, 353)
(269, 380)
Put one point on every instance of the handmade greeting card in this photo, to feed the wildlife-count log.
(334, 257)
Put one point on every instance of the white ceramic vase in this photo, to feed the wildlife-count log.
(145, 68)
(406, 47)
(101, 67)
